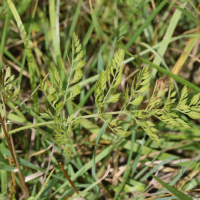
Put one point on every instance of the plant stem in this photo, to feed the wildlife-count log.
(68, 178)
(52, 122)
(30, 126)
(23, 185)
(108, 125)
(10, 141)
(110, 88)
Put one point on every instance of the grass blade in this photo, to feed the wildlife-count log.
(100, 63)
(192, 41)
(44, 186)
(164, 71)
(95, 22)
(56, 44)
(141, 29)
(127, 172)
(167, 37)
(172, 189)
(101, 132)
(89, 32)
(72, 28)
(30, 58)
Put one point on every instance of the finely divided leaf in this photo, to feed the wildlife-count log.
(78, 75)
(144, 88)
(57, 78)
(137, 101)
(75, 92)
(62, 66)
(152, 132)
(114, 98)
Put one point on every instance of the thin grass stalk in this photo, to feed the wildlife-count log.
(23, 185)
(66, 175)
(10, 143)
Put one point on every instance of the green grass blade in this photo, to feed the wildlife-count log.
(167, 37)
(72, 28)
(92, 185)
(156, 54)
(30, 58)
(175, 77)
(188, 14)
(164, 71)
(56, 44)
(89, 32)
(87, 166)
(85, 98)
(51, 184)
(127, 172)
(183, 171)
(44, 186)
(172, 189)
(100, 63)
(156, 168)
(141, 29)
(8, 168)
(101, 132)
(95, 22)
(3, 176)
(193, 183)
(5, 29)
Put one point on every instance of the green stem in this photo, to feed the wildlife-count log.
(71, 70)
(89, 116)
(109, 88)
(194, 7)
(132, 117)
(108, 125)
(52, 122)
(30, 126)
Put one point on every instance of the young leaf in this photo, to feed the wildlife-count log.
(195, 100)
(62, 66)
(126, 94)
(75, 92)
(184, 94)
(114, 98)
(57, 78)
(152, 132)
(137, 101)
(102, 81)
(78, 75)
(80, 64)
(143, 89)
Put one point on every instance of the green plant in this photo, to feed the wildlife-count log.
(163, 35)
(105, 93)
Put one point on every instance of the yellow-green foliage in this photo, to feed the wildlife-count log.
(108, 81)
(11, 93)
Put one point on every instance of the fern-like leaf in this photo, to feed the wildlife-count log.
(75, 92)
(137, 101)
(57, 78)
(78, 75)
(62, 66)
(114, 98)
(151, 131)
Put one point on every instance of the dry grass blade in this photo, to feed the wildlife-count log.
(192, 41)
(68, 178)
(11, 146)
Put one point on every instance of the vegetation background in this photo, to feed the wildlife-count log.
(34, 33)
